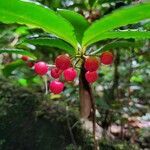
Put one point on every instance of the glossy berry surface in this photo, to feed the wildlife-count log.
(55, 73)
(56, 87)
(40, 68)
(25, 58)
(62, 62)
(106, 58)
(70, 74)
(91, 76)
(91, 63)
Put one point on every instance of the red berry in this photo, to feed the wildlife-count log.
(62, 62)
(40, 68)
(30, 64)
(55, 73)
(106, 58)
(24, 58)
(91, 76)
(91, 63)
(56, 87)
(70, 74)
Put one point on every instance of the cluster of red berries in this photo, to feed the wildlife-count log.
(63, 66)
(92, 64)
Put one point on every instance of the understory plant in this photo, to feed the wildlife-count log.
(77, 37)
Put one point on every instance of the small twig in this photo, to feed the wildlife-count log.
(93, 119)
(14, 42)
(51, 66)
(77, 62)
(98, 50)
(105, 119)
(74, 124)
(70, 130)
(45, 82)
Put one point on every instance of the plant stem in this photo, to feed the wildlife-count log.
(45, 83)
(87, 103)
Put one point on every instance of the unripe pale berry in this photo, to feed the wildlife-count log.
(40, 68)
(106, 58)
(70, 74)
(91, 76)
(62, 62)
(25, 58)
(55, 73)
(91, 63)
(56, 87)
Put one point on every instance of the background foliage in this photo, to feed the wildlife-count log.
(31, 121)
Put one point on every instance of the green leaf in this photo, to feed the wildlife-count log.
(118, 44)
(78, 21)
(34, 14)
(120, 17)
(91, 2)
(23, 82)
(18, 51)
(52, 42)
(146, 25)
(136, 79)
(12, 66)
(123, 35)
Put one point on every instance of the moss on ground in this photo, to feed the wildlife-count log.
(31, 121)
